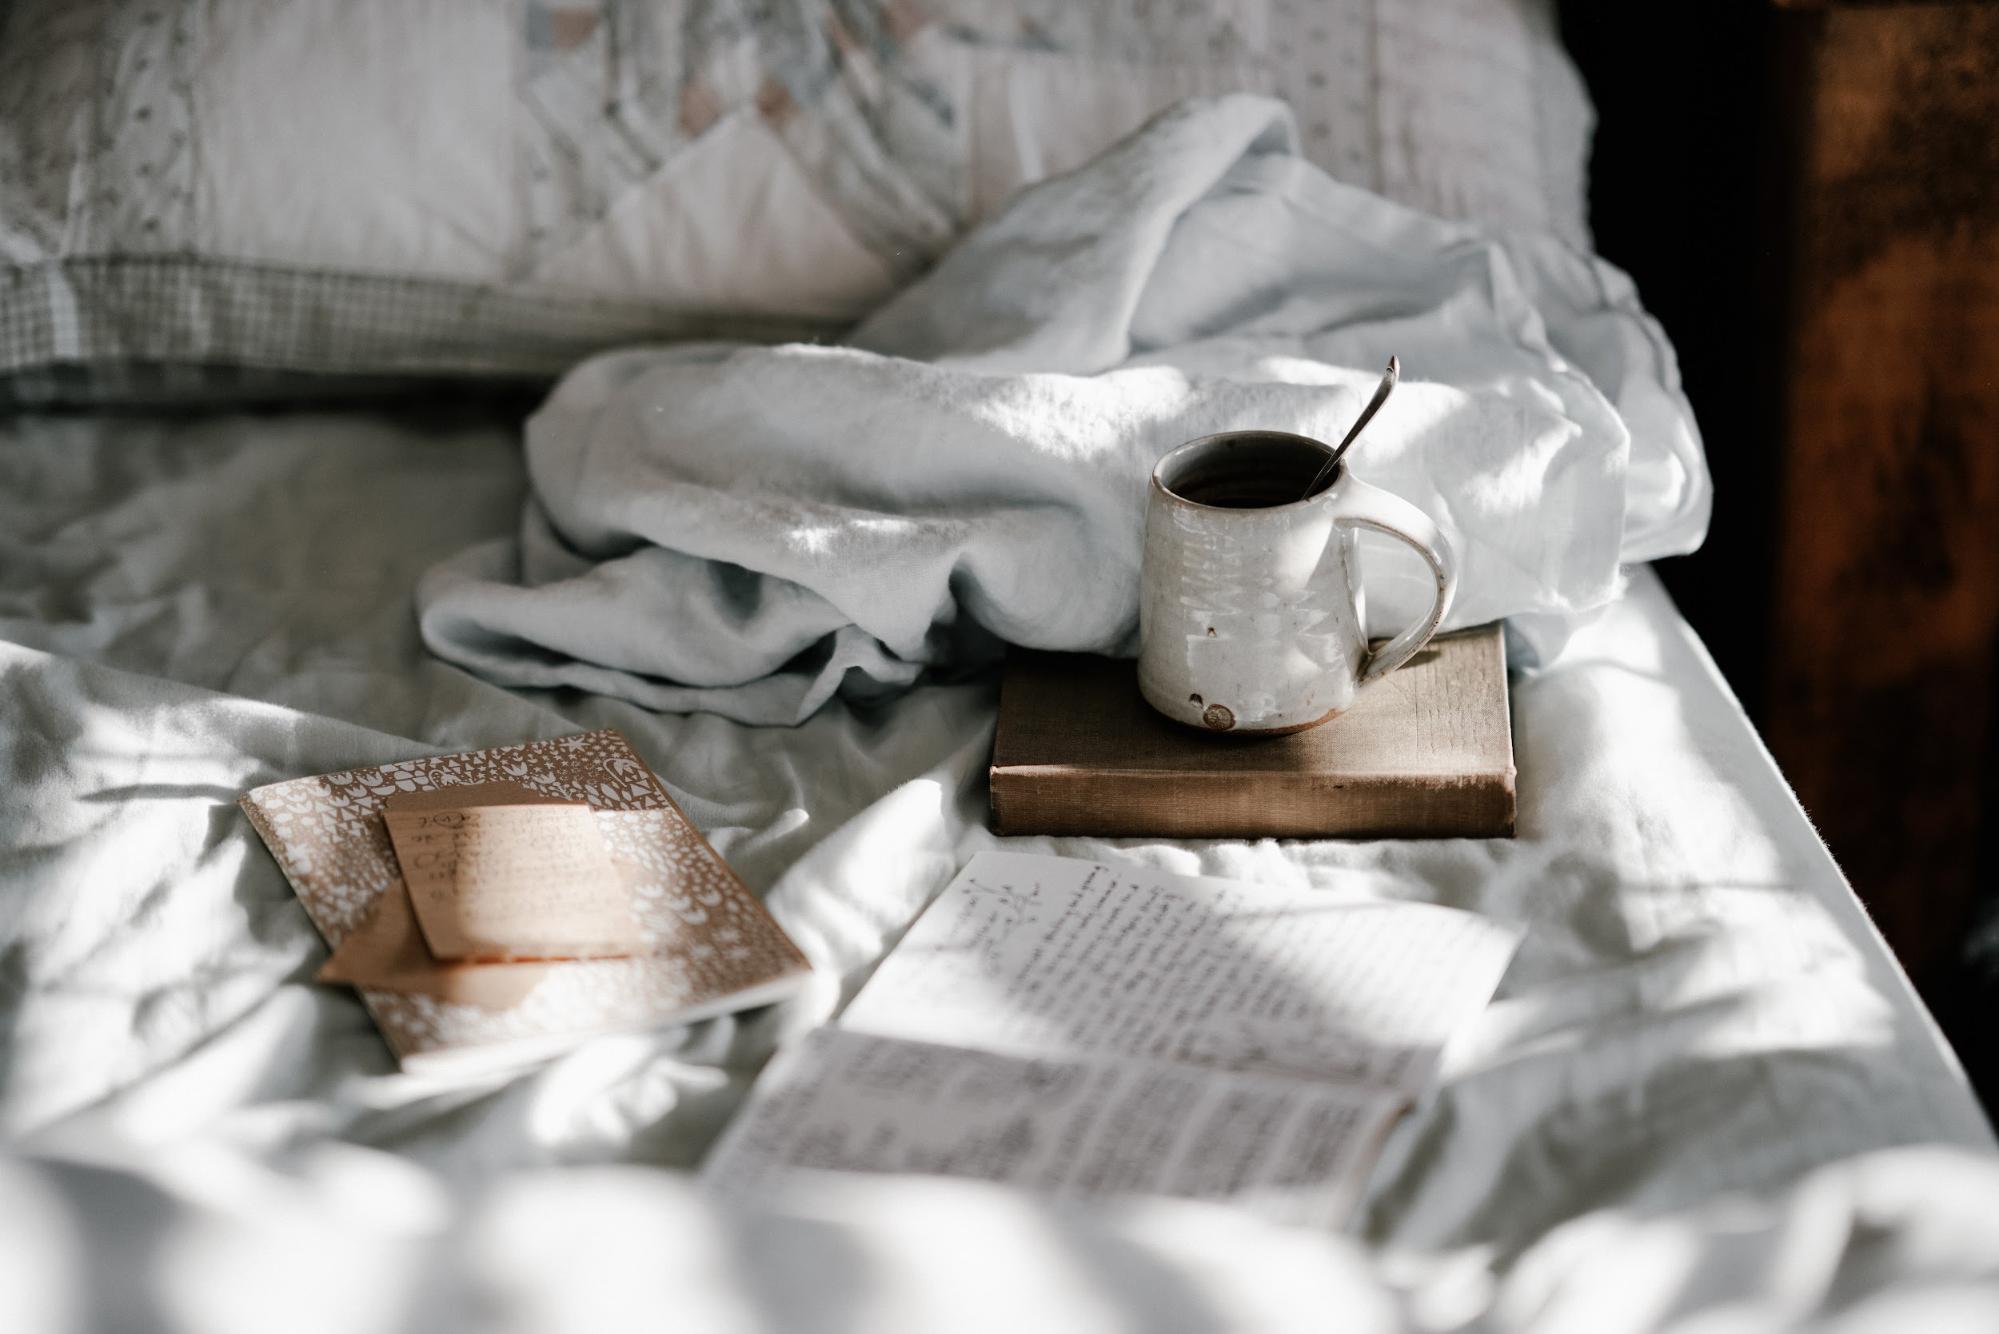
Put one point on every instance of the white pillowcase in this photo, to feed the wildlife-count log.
(393, 188)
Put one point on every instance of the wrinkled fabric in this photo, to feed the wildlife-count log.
(1895, 1241)
(751, 530)
(1704, 1097)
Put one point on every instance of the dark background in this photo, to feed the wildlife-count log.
(1683, 196)
(1808, 197)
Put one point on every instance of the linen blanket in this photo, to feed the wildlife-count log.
(748, 530)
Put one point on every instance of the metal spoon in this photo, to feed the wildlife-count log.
(1381, 393)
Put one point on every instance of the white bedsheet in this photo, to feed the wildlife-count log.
(1685, 1105)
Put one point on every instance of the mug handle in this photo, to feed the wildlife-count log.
(1358, 505)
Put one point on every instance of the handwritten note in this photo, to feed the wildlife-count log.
(1286, 1149)
(1084, 1028)
(513, 881)
(1041, 955)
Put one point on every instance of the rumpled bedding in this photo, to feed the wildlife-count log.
(1703, 1099)
(751, 530)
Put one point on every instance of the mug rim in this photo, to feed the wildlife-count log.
(1323, 494)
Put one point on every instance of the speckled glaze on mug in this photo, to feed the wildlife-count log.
(1250, 600)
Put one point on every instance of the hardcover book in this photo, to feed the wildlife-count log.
(1425, 752)
(704, 945)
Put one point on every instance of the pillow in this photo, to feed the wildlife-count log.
(1468, 109)
(198, 199)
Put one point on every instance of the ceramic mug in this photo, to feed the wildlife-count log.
(1249, 607)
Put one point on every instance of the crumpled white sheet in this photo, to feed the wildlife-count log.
(350, 1243)
(1681, 1112)
(750, 530)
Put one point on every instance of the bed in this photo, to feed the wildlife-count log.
(1705, 1097)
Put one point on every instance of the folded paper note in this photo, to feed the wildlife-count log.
(387, 952)
(700, 942)
(513, 882)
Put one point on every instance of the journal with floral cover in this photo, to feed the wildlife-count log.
(703, 943)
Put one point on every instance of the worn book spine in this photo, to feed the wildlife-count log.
(1061, 799)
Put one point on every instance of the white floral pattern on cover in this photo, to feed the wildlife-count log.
(709, 935)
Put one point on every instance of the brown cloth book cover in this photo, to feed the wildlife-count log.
(710, 946)
(1425, 752)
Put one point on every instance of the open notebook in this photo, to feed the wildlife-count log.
(1092, 1029)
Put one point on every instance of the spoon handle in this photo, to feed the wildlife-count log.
(1381, 393)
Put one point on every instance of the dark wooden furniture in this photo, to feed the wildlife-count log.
(1808, 196)
(1886, 597)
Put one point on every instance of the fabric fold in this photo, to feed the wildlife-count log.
(750, 530)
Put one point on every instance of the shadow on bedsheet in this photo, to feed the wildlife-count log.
(832, 1283)
(215, 792)
(144, 923)
(111, 1250)
(105, 1243)
(1655, 1118)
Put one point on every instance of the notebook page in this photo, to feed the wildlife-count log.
(1048, 955)
(1288, 1150)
